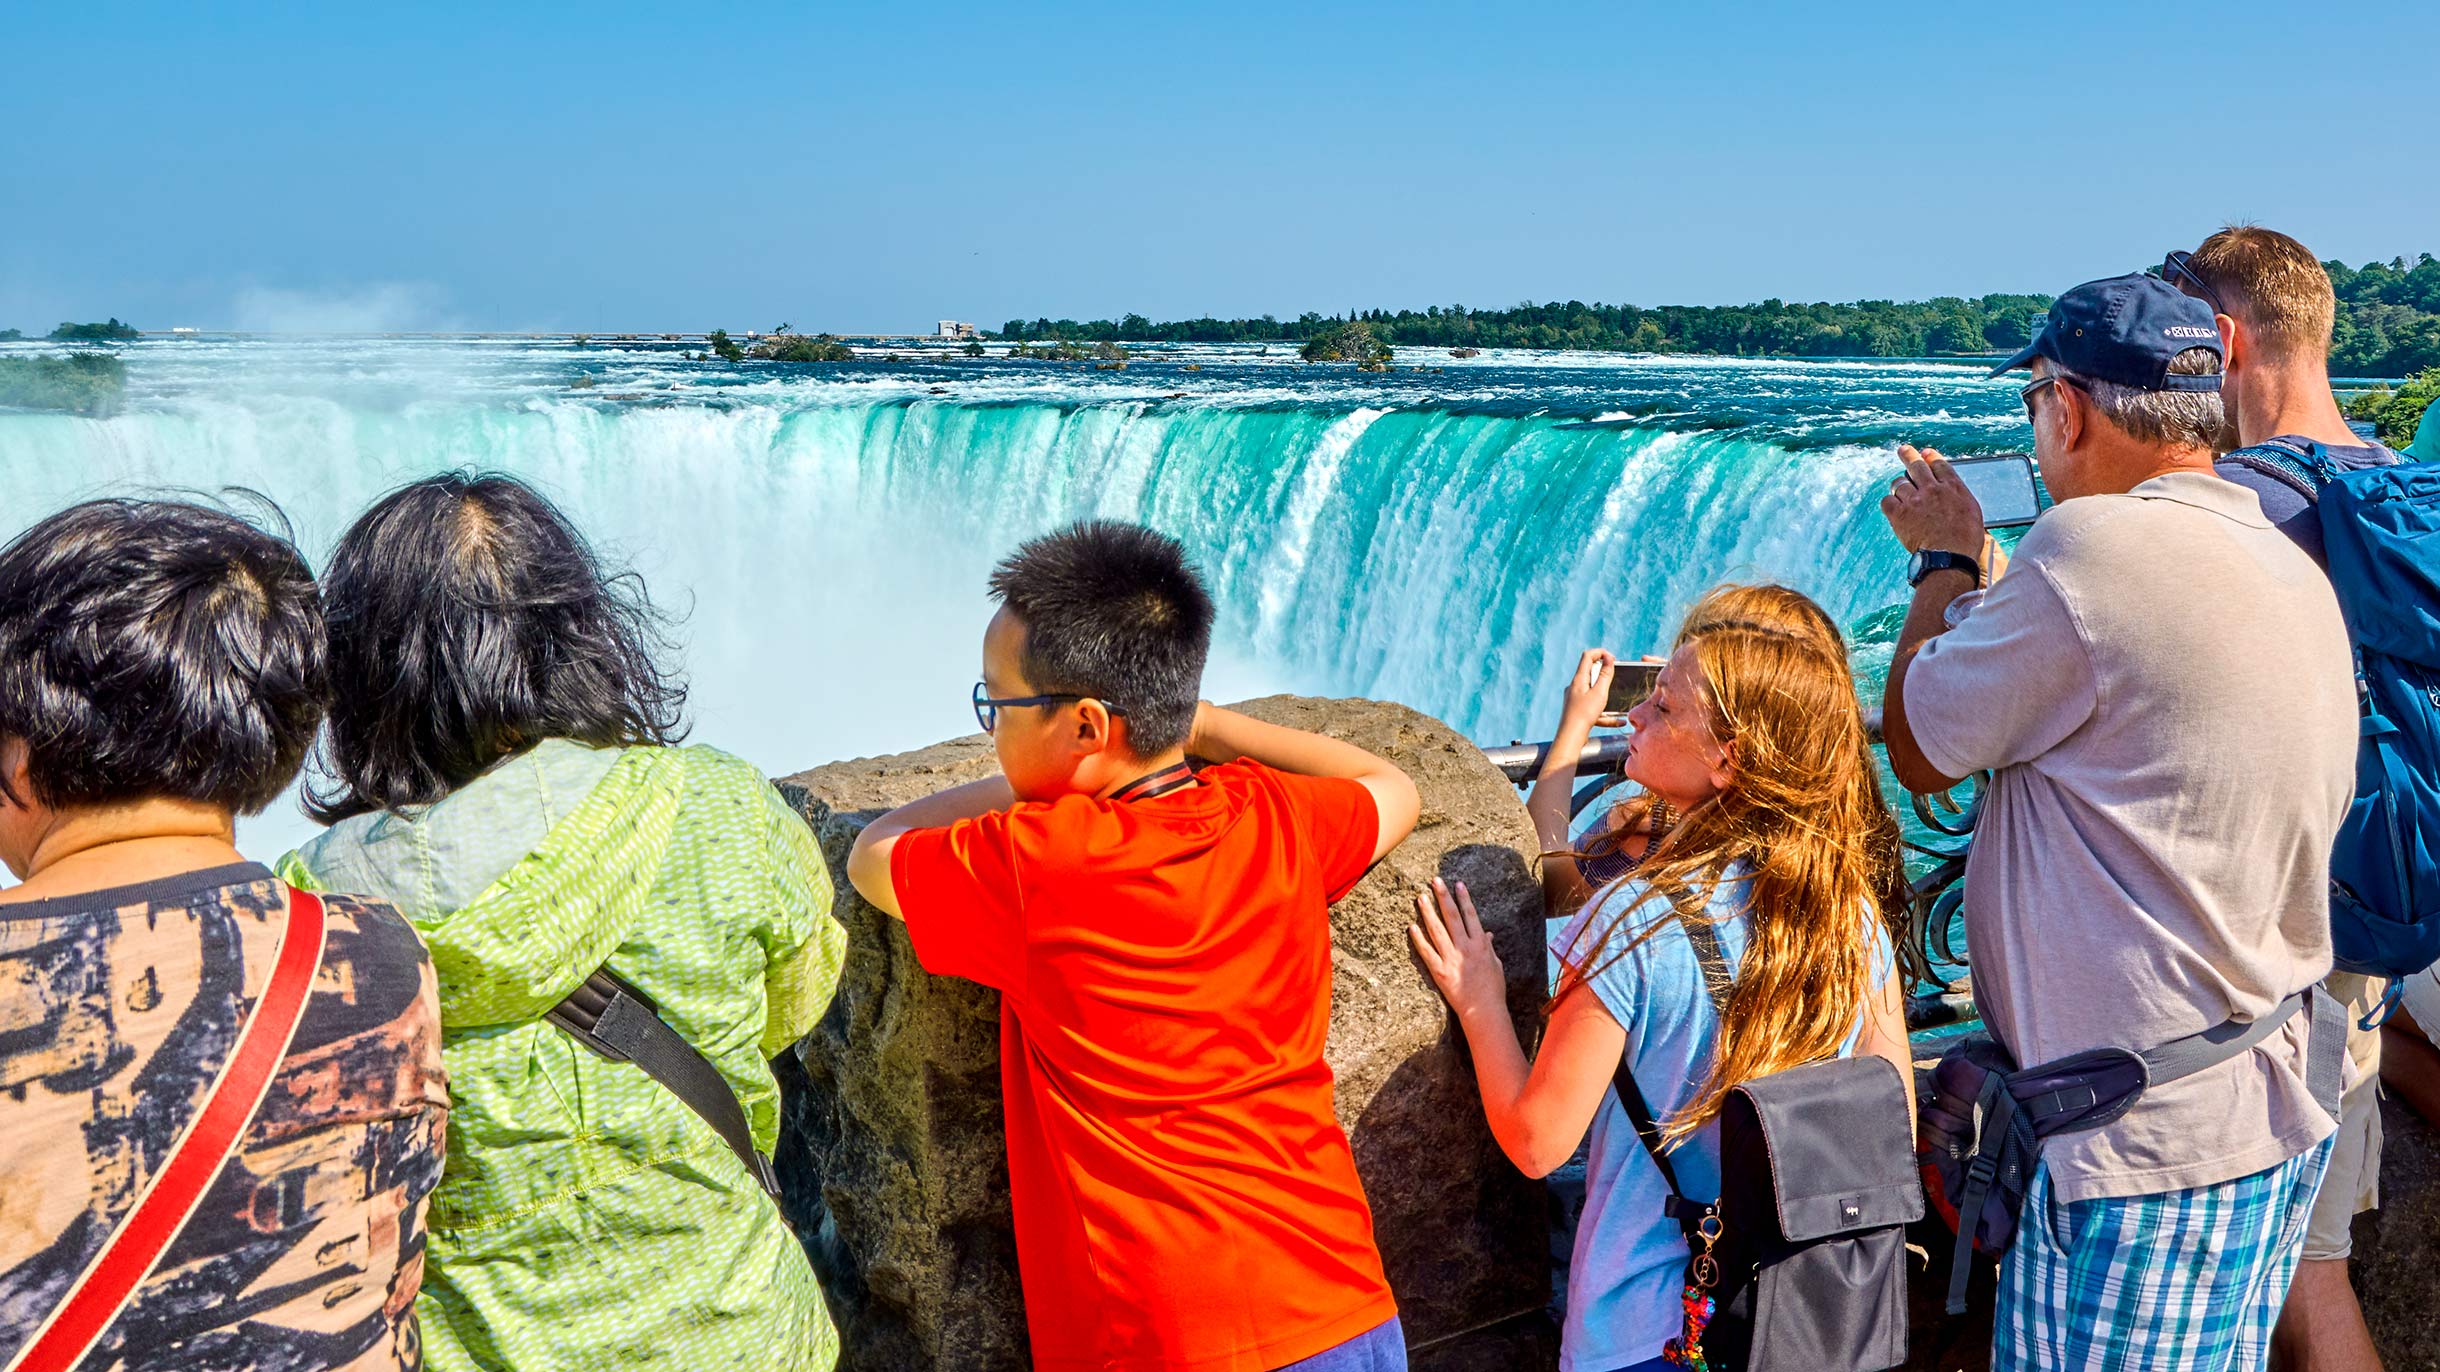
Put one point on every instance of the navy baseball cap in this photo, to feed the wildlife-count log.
(2125, 329)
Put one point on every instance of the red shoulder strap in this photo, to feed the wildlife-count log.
(170, 1198)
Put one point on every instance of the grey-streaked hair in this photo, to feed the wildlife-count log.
(2183, 419)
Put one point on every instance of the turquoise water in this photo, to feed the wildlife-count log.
(1448, 538)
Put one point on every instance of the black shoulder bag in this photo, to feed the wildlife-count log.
(1801, 1263)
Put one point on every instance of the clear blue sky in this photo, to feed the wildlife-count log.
(879, 166)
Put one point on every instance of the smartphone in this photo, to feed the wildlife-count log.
(1630, 682)
(2005, 485)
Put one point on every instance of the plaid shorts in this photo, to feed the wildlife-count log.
(2181, 1280)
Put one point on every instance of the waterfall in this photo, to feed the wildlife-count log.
(827, 556)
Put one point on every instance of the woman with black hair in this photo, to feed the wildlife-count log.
(223, 1102)
(503, 764)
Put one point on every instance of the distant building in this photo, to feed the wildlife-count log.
(183, 328)
(951, 328)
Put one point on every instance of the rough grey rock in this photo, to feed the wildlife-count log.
(893, 1157)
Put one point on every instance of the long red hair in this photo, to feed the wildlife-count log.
(1803, 812)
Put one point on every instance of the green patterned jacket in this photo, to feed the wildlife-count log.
(586, 1220)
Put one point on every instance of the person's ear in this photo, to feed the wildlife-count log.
(16, 773)
(2235, 347)
(2072, 415)
(1093, 726)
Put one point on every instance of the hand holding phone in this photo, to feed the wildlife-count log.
(1630, 684)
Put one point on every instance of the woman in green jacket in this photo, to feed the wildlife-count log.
(503, 766)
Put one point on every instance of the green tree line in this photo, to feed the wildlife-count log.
(1871, 328)
(2388, 317)
(2388, 325)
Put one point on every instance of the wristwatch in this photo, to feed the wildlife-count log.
(1931, 560)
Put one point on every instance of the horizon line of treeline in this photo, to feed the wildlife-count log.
(2388, 325)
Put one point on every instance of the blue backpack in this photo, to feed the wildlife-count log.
(2381, 528)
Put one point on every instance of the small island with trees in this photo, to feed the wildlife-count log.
(1353, 341)
(111, 332)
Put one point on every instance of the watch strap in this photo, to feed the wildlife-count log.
(1932, 560)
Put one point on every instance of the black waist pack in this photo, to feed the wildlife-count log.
(1985, 1119)
(1801, 1263)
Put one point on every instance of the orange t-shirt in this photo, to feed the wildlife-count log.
(1185, 1199)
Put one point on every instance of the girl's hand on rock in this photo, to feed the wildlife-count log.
(1455, 949)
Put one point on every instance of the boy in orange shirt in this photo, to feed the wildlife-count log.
(1185, 1200)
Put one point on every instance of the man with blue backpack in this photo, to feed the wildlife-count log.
(2377, 531)
(2159, 687)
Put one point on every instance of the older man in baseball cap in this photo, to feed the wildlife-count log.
(2160, 688)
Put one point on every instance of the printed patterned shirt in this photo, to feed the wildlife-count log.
(117, 1011)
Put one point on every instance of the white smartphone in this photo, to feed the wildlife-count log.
(2006, 486)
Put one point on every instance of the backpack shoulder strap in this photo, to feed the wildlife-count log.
(621, 1023)
(1639, 1114)
(2300, 471)
(219, 1126)
(1631, 1094)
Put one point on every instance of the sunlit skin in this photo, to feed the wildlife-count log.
(94, 848)
(1049, 751)
(1539, 1110)
(2268, 393)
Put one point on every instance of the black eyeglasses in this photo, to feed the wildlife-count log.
(2178, 267)
(987, 710)
(2035, 387)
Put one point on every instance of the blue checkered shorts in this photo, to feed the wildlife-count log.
(2182, 1280)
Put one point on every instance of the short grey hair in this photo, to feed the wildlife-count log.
(2182, 419)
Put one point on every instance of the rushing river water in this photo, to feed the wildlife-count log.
(1449, 537)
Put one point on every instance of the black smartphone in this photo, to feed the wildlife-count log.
(2006, 487)
(1630, 682)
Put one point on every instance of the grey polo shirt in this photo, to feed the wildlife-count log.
(2162, 688)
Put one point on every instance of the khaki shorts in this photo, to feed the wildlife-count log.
(2353, 1183)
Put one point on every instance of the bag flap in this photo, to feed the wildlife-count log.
(1836, 1135)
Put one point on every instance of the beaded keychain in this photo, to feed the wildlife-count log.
(1702, 1274)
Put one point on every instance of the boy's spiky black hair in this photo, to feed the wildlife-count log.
(1113, 611)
